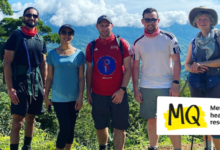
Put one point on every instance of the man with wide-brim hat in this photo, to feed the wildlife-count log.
(203, 62)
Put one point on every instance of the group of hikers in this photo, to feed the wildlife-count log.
(29, 75)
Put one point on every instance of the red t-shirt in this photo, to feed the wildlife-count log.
(107, 73)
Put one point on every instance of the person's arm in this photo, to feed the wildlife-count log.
(189, 60)
(43, 71)
(211, 63)
(174, 90)
(135, 77)
(175, 56)
(89, 71)
(49, 81)
(79, 101)
(135, 73)
(192, 66)
(8, 59)
(118, 95)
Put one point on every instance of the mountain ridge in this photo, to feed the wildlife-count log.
(84, 35)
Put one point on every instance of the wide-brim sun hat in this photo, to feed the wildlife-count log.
(195, 11)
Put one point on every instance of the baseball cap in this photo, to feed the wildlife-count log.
(66, 26)
(104, 17)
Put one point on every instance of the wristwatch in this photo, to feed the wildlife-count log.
(176, 81)
(123, 88)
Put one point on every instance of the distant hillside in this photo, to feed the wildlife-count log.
(83, 35)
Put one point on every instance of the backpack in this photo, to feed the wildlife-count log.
(17, 69)
(118, 42)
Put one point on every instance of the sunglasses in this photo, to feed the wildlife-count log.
(148, 20)
(30, 15)
(67, 33)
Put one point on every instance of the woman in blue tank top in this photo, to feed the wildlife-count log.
(66, 75)
(203, 59)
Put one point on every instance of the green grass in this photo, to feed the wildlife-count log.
(43, 141)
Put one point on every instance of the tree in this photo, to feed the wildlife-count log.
(5, 7)
(7, 25)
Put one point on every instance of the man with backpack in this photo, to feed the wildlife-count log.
(155, 48)
(24, 63)
(107, 76)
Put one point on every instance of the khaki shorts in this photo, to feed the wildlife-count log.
(148, 108)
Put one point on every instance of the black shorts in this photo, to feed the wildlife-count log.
(35, 107)
(103, 109)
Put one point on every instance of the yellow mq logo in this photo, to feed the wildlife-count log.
(184, 117)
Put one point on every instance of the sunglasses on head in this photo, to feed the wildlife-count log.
(30, 15)
(148, 20)
(70, 33)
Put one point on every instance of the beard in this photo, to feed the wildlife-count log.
(31, 25)
(151, 30)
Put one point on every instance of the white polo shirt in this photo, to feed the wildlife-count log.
(155, 53)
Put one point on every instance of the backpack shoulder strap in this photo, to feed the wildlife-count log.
(40, 38)
(216, 40)
(118, 40)
(92, 46)
(193, 47)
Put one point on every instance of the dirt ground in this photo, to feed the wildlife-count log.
(186, 147)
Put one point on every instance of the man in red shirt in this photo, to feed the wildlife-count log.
(106, 83)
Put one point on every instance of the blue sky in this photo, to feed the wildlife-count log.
(122, 12)
(21, 1)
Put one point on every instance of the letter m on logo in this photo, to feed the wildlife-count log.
(176, 115)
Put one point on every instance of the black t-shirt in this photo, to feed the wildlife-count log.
(35, 49)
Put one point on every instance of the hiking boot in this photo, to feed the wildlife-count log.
(153, 148)
(26, 147)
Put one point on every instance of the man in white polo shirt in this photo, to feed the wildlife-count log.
(156, 49)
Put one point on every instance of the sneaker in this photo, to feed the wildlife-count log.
(153, 148)
(26, 147)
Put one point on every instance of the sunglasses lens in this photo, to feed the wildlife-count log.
(147, 20)
(153, 20)
(63, 32)
(30, 15)
(35, 16)
(70, 33)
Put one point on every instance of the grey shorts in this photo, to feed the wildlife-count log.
(103, 109)
(148, 108)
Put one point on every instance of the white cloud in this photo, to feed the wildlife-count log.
(170, 17)
(1, 16)
(122, 12)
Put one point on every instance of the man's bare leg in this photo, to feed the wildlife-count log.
(119, 139)
(209, 139)
(176, 141)
(68, 146)
(102, 136)
(217, 143)
(29, 125)
(17, 122)
(152, 131)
